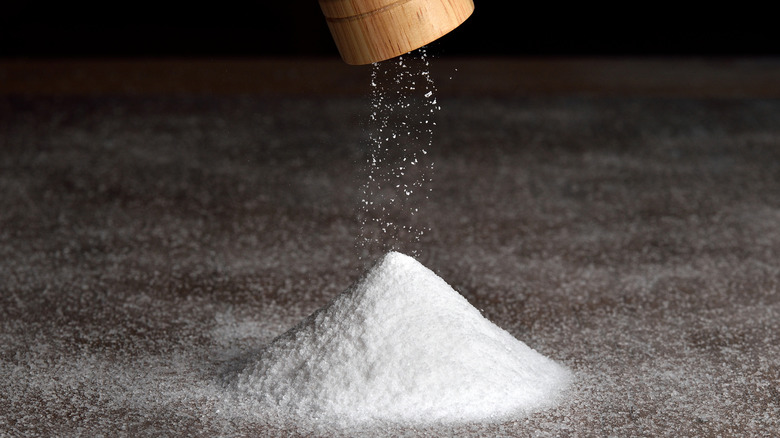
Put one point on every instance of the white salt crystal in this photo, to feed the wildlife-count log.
(400, 345)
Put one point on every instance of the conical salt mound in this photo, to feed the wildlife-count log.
(400, 345)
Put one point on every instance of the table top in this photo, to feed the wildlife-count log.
(162, 221)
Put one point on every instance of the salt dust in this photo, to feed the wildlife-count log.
(400, 346)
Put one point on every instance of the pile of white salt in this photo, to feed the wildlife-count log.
(400, 345)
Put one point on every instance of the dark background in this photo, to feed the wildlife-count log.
(298, 28)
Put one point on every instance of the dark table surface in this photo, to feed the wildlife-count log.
(161, 218)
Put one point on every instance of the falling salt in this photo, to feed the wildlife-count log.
(400, 130)
(400, 346)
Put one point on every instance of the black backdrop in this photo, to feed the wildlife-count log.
(296, 27)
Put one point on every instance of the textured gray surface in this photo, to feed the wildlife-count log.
(148, 244)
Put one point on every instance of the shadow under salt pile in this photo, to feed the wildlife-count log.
(400, 345)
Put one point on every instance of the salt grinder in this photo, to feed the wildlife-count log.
(368, 31)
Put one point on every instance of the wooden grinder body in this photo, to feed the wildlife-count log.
(367, 31)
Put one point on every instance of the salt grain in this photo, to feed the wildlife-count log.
(400, 345)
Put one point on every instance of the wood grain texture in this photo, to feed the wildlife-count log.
(375, 30)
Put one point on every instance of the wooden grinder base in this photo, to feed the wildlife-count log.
(368, 31)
